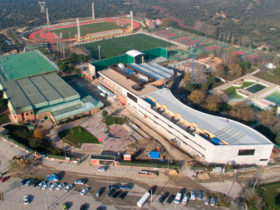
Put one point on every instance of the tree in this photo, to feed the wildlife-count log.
(39, 133)
(267, 118)
(213, 103)
(235, 70)
(187, 77)
(189, 87)
(204, 87)
(35, 143)
(277, 138)
(104, 114)
(197, 97)
(243, 112)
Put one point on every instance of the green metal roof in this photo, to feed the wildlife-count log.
(18, 66)
(38, 92)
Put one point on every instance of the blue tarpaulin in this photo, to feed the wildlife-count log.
(53, 177)
(154, 155)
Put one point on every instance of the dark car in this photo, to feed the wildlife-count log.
(123, 195)
(111, 191)
(30, 182)
(35, 182)
(163, 197)
(170, 199)
(100, 191)
(115, 186)
(127, 186)
(85, 206)
(23, 182)
(117, 193)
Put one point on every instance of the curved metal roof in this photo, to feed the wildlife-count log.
(134, 53)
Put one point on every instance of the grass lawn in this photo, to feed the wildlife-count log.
(247, 84)
(77, 136)
(110, 120)
(232, 94)
(270, 194)
(117, 46)
(85, 29)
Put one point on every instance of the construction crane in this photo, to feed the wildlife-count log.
(194, 50)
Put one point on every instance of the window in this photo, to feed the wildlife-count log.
(132, 97)
(246, 152)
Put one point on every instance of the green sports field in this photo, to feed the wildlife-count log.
(117, 46)
(85, 29)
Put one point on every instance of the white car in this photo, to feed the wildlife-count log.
(186, 199)
(53, 186)
(207, 201)
(46, 186)
(193, 194)
(178, 198)
(60, 186)
(26, 199)
(69, 187)
(85, 190)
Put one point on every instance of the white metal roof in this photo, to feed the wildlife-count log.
(134, 53)
(232, 132)
(153, 70)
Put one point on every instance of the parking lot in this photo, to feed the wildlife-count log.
(52, 199)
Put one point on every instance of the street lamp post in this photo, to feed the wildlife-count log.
(99, 51)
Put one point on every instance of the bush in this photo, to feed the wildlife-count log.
(104, 114)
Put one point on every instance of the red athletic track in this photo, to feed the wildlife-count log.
(213, 47)
(47, 36)
(161, 32)
(193, 41)
(240, 52)
(183, 39)
(170, 34)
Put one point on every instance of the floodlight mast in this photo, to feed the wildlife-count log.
(78, 29)
(131, 20)
(92, 11)
(47, 16)
(42, 6)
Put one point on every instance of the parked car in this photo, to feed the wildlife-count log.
(186, 198)
(69, 187)
(163, 197)
(30, 182)
(46, 186)
(4, 178)
(26, 199)
(170, 199)
(123, 195)
(60, 186)
(128, 186)
(110, 192)
(85, 206)
(35, 182)
(41, 184)
(214, 202)
(115, 186)
(178, 198)
(207, 201)
(23, 182)
(193, 195)
(200, 195)
(85, 190)
(53, 186)
(80, 181)
(100, 191)
(116, 194)
(102, 169)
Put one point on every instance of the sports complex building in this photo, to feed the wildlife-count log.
(211, 138)
(34, 91)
